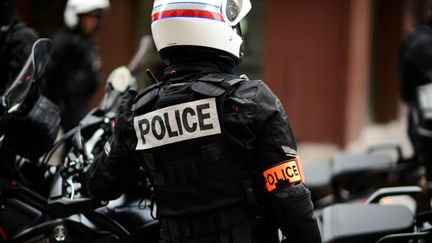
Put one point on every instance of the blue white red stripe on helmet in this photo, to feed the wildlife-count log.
(205, 9)
(187, 13)
(187, 2)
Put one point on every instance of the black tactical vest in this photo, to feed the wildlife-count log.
(199, 188)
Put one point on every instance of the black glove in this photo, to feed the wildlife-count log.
(124, 132)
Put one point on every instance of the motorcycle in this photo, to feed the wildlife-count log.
(374, 222)
(89, 139)
(66, 215)
(365, 220)
(354, 176)
(420, 129)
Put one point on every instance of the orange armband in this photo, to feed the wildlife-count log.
(289, 170)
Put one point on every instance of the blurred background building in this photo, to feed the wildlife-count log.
(333, 63)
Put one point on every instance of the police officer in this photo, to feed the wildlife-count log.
(415, 69)
(415, 60)
(72, 76)
(16, 40)
(218, 147)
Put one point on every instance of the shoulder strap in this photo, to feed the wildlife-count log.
(146, 96)
(216, 84)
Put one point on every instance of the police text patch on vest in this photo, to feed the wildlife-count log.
(177, 123)
(290, 171)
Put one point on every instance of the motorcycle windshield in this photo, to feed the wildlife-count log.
(31, 71)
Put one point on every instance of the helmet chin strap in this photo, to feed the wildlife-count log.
(238, 30)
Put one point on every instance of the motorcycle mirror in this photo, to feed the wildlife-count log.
(124, 77)
(32, 70)
(120, 79)
(41, 56)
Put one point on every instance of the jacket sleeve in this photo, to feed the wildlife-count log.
(110, 173)
(290, 204)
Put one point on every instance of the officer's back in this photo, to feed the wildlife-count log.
(219, 148)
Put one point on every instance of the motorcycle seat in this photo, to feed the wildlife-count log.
(363, 223)
(355, 173)
(362, 167)
(318, 178)
(348, 163)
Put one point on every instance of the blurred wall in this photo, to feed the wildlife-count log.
(333, 63)
(116, 40)
(392, 21)
(387, 37)
(317, 63)
(358, 70)
(254, 34)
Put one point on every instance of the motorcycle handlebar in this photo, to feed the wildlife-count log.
(61, 208)
(414, 192)
(387, 146)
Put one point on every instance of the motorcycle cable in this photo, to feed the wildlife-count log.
(61, 141)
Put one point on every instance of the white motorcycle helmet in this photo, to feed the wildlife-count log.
(200, 23)
(76, 7)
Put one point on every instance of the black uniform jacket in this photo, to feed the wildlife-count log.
(259, 127)
(72, 75)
